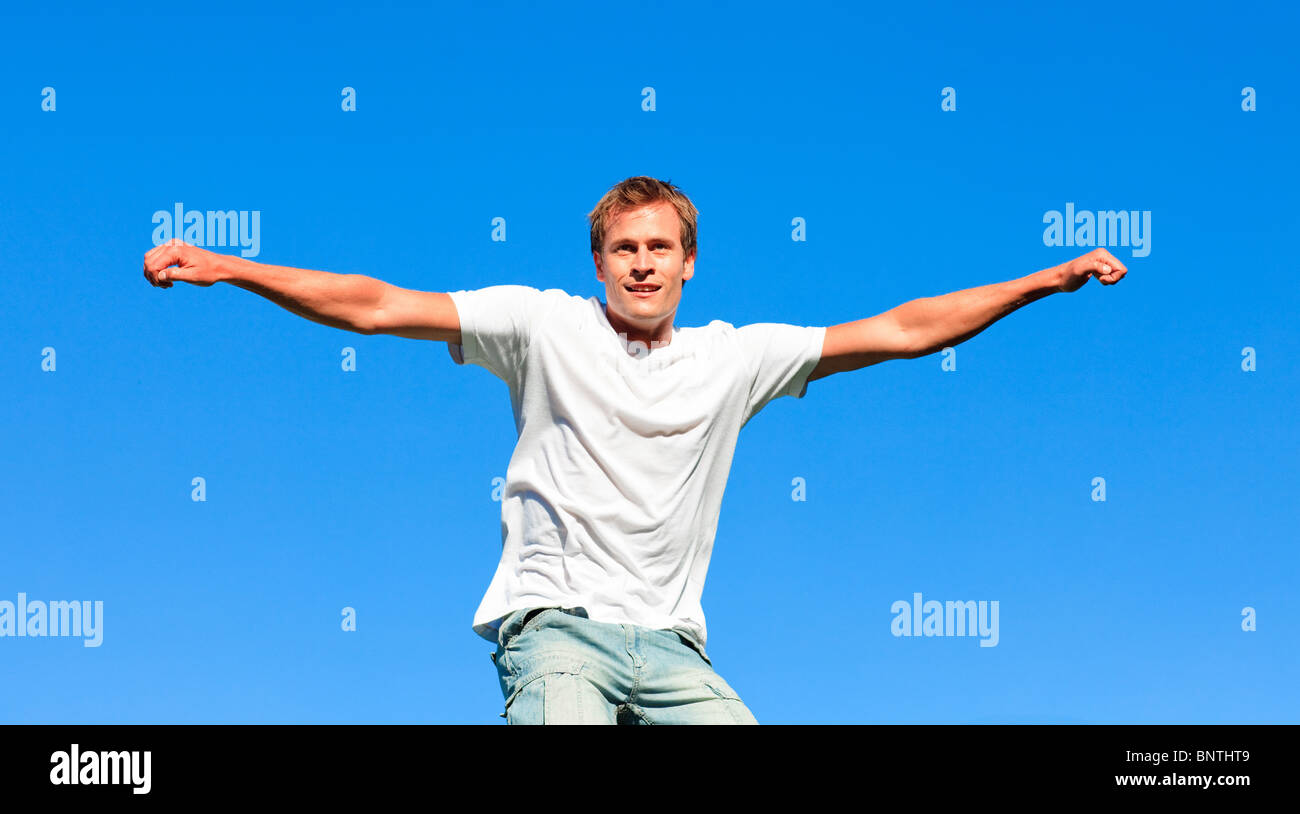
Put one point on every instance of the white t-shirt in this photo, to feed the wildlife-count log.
(613, 492)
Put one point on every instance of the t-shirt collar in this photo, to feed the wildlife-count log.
(661, 353)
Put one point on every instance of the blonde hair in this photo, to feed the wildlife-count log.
(636, 192)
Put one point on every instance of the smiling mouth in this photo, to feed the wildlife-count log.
(642, 289)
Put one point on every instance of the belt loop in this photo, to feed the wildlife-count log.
(516, 621)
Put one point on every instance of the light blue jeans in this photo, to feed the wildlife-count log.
(558, 667)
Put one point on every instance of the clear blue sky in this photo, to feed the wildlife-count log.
(373, 489)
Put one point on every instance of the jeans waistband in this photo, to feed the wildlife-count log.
(518, 620)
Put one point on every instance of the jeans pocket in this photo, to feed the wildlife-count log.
(686, 640)
(730, 699)
(536, 668)
(720, 687)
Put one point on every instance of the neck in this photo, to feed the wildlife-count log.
(653, 336)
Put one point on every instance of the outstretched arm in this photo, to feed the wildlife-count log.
(929, 324)
(352, 302)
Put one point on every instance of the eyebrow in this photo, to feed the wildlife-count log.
(620, 241)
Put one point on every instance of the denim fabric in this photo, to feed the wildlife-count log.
(558, 667)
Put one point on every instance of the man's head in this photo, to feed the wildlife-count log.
(643, 234)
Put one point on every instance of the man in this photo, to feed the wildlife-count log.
(627, 425)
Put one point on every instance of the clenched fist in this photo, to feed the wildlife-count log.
(1099, 263)
(193, 265)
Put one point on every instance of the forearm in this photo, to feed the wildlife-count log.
(934, 323)
(346, 301)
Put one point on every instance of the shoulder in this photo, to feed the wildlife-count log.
(716, 329)
(558, 296)
(748, 335)
(522, 297)
(750, 330)
(719, 338)
(509, 291)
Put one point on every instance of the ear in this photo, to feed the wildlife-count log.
(688, 270)
(600, 272)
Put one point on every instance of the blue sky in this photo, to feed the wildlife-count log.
(373, 489)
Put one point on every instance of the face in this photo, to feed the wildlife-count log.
(643, 248)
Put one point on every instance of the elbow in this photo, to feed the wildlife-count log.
(363, 321)
(369, 301)
(921, 347)
(911, 345)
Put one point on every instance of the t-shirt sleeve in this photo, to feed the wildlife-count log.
(496, 326)
(779, 358)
